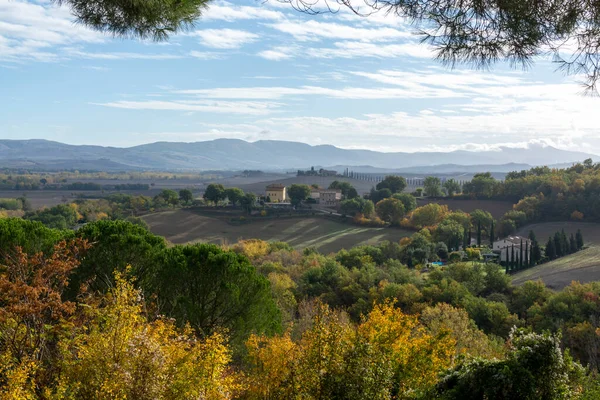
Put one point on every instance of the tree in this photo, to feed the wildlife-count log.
(368, 209)
(248, 202)
(298, 193)
(395, 184)
(432, 186)
(441, 250)
(452, 187)
(214, 192)
(558, 245)
(428, 215)
(450, 232)
(513, 262)
(478, 233)
(390, 210)
(550, 249)
(482, 185)
(572, 244)
(409, 201)
(115, 245)
(234, 195)
(579, 239)
(377, 195)
(483, 218)
(169, 196)
(492, 235)
(155, 20)
(535, 368)
(120, 353)
(348, 191)
(186, 196)
(211, 288)
(536, 253)
(527, 259)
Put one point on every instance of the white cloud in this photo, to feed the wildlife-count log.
(278, 53)
(208, 106)
(316, 30)
(225, 38)
(206, 55)
(366, 49)
(26, 28)
(121, 55)
(225, 11)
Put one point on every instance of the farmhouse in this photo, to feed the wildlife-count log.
(327, 197)
(504, 247)
(276, 192)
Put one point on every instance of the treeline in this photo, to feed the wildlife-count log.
(81, 211)
(111, 309)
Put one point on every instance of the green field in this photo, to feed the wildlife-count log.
(187, 226)
(583, 266)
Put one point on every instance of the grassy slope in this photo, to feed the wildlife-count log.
(583, 266)
(184, 226)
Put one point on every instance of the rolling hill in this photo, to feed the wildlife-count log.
(234, 154)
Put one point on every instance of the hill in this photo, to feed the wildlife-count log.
(234, 154)
(185, 226)
(583, 266)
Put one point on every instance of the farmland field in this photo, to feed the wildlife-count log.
(583, 266)
(186, 226)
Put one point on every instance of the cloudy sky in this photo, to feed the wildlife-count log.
(260, 70)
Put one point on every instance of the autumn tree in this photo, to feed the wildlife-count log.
(31, 309)
(428, 215)
(390, 210)
(119, 353)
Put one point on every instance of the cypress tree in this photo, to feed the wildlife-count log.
(492, 238)
(512, 258)
(572, 244)
(579, 239)
(550, 249)
(469, 238)
(564, 242)
(521, 255)
(507, 261)
(532, 237)
(527, 261)
(478, 233)
(558, 245)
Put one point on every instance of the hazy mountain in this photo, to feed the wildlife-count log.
(233, 154)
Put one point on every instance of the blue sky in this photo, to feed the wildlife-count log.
(254, 70)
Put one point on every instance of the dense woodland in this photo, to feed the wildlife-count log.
(112, 311)
(109, 310)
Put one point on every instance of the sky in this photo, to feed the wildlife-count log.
(256, 70)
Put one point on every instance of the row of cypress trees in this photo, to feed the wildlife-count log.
(559, 245)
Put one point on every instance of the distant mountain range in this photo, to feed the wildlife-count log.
(234, 154)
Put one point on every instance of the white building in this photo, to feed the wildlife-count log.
(504, 247)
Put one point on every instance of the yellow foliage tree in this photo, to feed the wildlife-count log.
(119, 354)
(389, 355)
